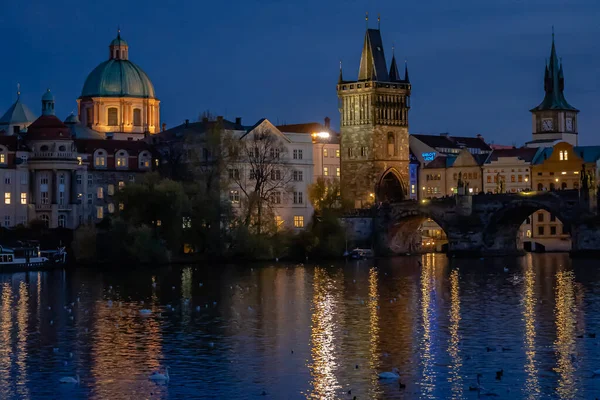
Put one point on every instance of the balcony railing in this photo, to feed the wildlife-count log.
(54, 155)
(48, 207)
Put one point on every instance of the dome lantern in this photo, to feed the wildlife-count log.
(119, 49)
(48, 103)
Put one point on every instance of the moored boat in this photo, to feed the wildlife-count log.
(28, 256)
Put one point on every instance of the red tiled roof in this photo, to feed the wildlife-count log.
(48, 127)
(88, 146)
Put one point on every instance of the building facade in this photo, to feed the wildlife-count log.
(374, 128)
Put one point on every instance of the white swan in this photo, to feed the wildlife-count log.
(70, 379)
(158, 377)
(145, 311)
(395, 374)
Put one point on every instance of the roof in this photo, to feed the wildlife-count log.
(372, 61)
(524, 153)
(198, 128)
(394, 75)
(47, 96)
(118, 78)
(554, 84)
(18, 113)
(310, 128)
(88, 146)
(48, 127)
(118, 41)
(589, 154)
(438, 162)
(453, 142)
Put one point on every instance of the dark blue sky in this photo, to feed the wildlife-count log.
(476, 66)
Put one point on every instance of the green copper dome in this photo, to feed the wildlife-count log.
(118, 78)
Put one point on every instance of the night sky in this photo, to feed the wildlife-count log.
(475, 66)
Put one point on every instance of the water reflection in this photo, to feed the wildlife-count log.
(427, 302)
(454, 342)
(531, 390)
(565, 334)
(373, 329)
(6, 325)
(21, 348)
(323, 340)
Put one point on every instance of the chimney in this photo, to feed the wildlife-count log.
(238, 120)
(164, 126)
(187, 123)
(220, 118)
(327, 122)
(204, 120)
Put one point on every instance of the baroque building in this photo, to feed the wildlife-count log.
(554, 118)
(374, 128)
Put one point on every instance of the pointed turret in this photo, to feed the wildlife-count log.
(406, 72)
(341, 77)
(394, 75)
(554, 84)
(372, 61)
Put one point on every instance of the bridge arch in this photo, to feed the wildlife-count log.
(501, 232)
(402, 233)
(391, 187)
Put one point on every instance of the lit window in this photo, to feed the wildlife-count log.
(563, 155)
(325, 153)
(100, 193)
(111, 208)
(528, 233)
(79, 161)
(234, 196)
(186, 222)
(2, 158)
(7, 198)
(100, 159)
(111, 190)
(337, 153)
(121, 185)
(158, 222)
(99, 212)
(278, 222)
(121, 206)
(298, 221)
(23, 198)
(412, 187)
(325, 171)
(337, 171)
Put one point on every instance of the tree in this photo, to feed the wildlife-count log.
(258, 168)
(325, 194)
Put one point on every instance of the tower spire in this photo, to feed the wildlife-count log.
(394, 75)
(379, 21)
(367, 19)
(18, 90)
(406, 72)
(341, 77)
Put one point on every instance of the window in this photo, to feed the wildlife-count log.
(297, 154)
(45, 198)
(563, 155)
(89, 198)
(298, 176)
(337, 171)
(62, 221)
(298, 198)
(99, 212)
(298, 221)
(100, 159)
(79, 179)
(137, 117)
(528, 233)
(278, 222)
(552, 218)
(553, 230)
(276, 198)
(61, 198)
(540, 217)
(2, 158)
(540, 187)
(7, 198)
(100, 193)
(122, 159)
(121, 185)
(23, 198)
(23, 220)
(528, 220)
(7, 221)
(111, 189)
(325, 153)
(90, 179)
(274, 153)
(24, 178)
(121, 206)
(186, 222)
(111, 208)
(520, 178)
(349, 151)
(234, 173)
(363, 151)
(234, 196)
(7, 179)
(131, 178)
(275, 175)
(79, 160)
(489, 179)
(46, 219)
(540, 230)
(325, 171)
(113, 116)
(337, 153)
(512, 178)
(563, 185)
(144, 160)
(390, 144)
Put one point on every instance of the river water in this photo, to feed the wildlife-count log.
(306, 331)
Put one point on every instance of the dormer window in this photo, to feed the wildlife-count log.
(563, 155)
(122, 159)
(3, 156)
(100, 159)
(144, 160)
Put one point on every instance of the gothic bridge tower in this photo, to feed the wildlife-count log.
(374, 128)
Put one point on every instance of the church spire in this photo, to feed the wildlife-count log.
(394, 75)
(406, 72)
(372, 61)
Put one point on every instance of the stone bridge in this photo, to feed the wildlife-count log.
(486, 224)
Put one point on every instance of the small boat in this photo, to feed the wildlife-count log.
(359, 254)
(28, 256)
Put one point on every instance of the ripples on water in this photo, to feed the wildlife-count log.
(306, 331)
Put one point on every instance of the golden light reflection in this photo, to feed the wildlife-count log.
(5, 342)
(427, 362)
(532, 386)
(22, 317)
(565, 334)
(324, 358)
(454, 342)
(373, 306)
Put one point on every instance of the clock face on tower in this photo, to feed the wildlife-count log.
(547, 124)
(569, 124)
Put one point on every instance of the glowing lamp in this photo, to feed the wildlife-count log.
(322, 135)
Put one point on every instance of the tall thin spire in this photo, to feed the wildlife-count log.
(118, 31)
(394, 75)
(406, 72)
(341, 77)
(379, 21)
(18, 90)
(367, 19)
